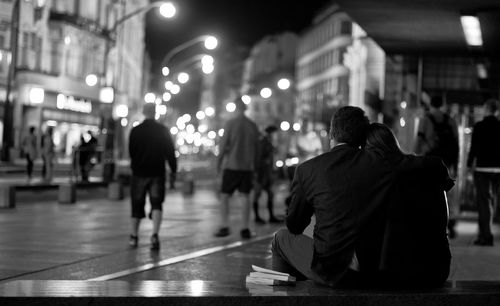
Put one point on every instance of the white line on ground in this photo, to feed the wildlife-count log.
(177, 259)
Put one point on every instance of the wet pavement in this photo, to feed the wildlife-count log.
(43, 240)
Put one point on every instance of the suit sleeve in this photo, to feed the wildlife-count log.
(131, 144)
(170, 151)
(300, 211)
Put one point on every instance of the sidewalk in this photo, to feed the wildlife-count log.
(43, 240)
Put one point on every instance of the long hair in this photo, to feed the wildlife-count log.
(380, 137)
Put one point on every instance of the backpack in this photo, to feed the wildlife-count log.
(445, 142)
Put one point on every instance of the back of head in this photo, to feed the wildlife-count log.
(491, 106)
(349, 125)
(380, 137)
(437, 101)
(240, 105)
(270, 129)
(149, 110)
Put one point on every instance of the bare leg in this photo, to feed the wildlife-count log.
(157, 217)
(224, 210)
(135, 226)
(246, 211)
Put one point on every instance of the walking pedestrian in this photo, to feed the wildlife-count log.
(237, 160)
(438, 136)
(48, 152)
(150, 146)
(484, 161)
(30, 151)
(264, 181)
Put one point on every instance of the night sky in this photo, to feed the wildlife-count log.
(233, 22)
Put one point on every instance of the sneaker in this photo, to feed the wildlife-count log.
(222, 232)
(259, 220)
(483, 242)
(273, 219)
(133, 241)
(246, 233)
(155, 242)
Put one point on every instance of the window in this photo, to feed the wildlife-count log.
(346, 27)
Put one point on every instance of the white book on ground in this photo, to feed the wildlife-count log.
(287, 278)
(264, 270)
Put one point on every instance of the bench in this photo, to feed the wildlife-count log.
(8, 192)
(197, 292)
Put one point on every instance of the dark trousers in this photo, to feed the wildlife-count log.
(293, 254)
(29, 165)
(268, 188)
(486, 198)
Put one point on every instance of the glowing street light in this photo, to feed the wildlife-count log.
(200, 115)
(150, 97)
(167, 10)
(230, 107)
(211, 42)
(284, 84)
(209, 111)
(91, 80)
(166, 96)
(212, 134)
(207, 60)
(165, 71)
(296, 126)
(207, 69)
(174, 130)
(266, 92)
(121, 110)
(186, 117)
(175, 89)
(246, 99)
(285, 126)
(183, 78)
(36, 95)
(168, 85)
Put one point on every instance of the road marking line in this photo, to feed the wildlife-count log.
(178, 259)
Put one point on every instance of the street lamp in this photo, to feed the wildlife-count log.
(167, 10)
(183, 77)
(210, 43)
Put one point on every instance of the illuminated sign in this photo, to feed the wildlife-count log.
(70, 103)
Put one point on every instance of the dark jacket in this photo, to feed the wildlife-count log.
(347, 190)
(415, 251)
(374, 205)
(485, 143)
(150, 145)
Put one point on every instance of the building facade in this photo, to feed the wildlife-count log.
(271, 59)
(321, 76)
(65, 56)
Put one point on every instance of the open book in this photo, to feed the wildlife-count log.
(263, 276)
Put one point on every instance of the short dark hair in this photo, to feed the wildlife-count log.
(32, 129)
(349, 124)
(437, 101)
(240, 105)
(491, 105)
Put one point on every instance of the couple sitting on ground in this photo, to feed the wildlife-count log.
(381, 215)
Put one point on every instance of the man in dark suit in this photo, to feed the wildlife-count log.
(345, 189)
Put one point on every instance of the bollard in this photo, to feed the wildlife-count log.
(188, 184)
(115, 190)
(7, 197)
(67, 193)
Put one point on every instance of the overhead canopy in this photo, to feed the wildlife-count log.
(426, 26)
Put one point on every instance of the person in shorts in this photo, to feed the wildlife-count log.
(237, 160)
(150, 146)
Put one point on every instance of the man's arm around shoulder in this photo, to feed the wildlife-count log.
(300, 211)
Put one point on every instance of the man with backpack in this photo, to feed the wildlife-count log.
(437, 135)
